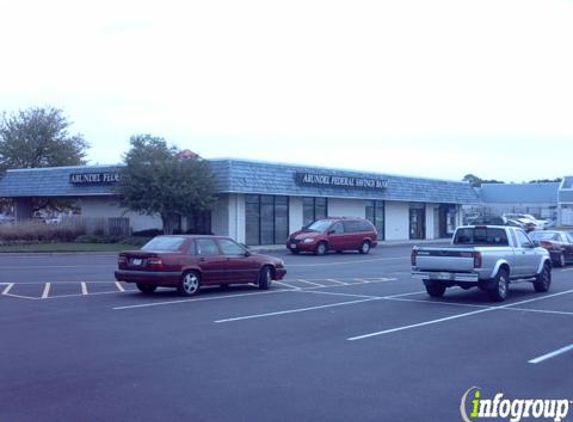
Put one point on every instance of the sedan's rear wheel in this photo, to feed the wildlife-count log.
(265, 278)
(562, 259)
(189, 284)
(146, 288)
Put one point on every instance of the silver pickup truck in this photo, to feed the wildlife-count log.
(488, 257)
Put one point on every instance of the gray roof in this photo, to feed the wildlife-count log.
(51, 182)
(566, 190)
(523, 193)
(245, 176)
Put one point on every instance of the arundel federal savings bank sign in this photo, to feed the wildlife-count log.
(329, 180)
(90, 179)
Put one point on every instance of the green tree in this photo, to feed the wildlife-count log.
(157, 180)
(39, 137)
(476, 181)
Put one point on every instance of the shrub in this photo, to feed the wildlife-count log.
(137, 241)
(148, 233)
(38, 232)
(96, 238)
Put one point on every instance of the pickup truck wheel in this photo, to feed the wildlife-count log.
(435, 289)
(500, 286)
(543, 280)
(146, 288)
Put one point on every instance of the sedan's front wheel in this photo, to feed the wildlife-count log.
(265, 278)
(189, 284)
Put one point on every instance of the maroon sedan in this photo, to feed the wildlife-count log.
(189, 262)
(558, 243)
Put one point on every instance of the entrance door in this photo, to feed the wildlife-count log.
(417, 221)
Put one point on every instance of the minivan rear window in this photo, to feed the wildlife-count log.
(164, 243)
(479, 235)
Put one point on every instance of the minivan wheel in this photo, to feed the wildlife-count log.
(189, 284)
(146, 288)
(543, 280)
(265, 278)
(321, 248)
(365, 248)
(500, 286)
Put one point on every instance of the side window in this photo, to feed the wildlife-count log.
(365, 226)
(351, 226)
(337, 228)
(206, 247)
(522, 239)
(569, 238)
(231, 248)
(192, 250)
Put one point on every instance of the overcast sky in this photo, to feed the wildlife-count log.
(436, 88)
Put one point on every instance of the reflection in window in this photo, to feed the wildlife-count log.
(313, 209)
(375, 214)
(266, 219)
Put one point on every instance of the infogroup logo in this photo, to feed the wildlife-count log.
(474, 407)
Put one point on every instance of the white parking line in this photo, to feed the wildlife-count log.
(318, 292)
(287, 285)
(294, 311)
(552, 354)
(8, 288)
(450, 318)
(84, 288)
(46, 291)
(119, 286)
(342, 283)
(312, 283)
(567, 270)
(200, 299)
(361, 280)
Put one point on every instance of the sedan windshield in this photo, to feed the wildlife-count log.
(319, 225)
(164, 243)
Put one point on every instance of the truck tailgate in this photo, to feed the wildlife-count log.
(447, 259)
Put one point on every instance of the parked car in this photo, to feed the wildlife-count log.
(527, 220)
(502, 221)
(334, 234)
(188, 262)
(558, 243)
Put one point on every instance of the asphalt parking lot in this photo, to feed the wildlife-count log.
(342, 337)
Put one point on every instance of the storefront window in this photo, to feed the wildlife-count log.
(417, 221)
(313, 209)
(266, 219)
(375, 214)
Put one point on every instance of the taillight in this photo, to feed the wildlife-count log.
(413, 256)
(545, 244)
(121, 260)
(477, 259)
(154, 263)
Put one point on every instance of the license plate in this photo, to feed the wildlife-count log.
(293, 246)
(136, 261)
(444, 276)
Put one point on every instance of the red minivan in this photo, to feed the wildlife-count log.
(188, 262)
(334, 234)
